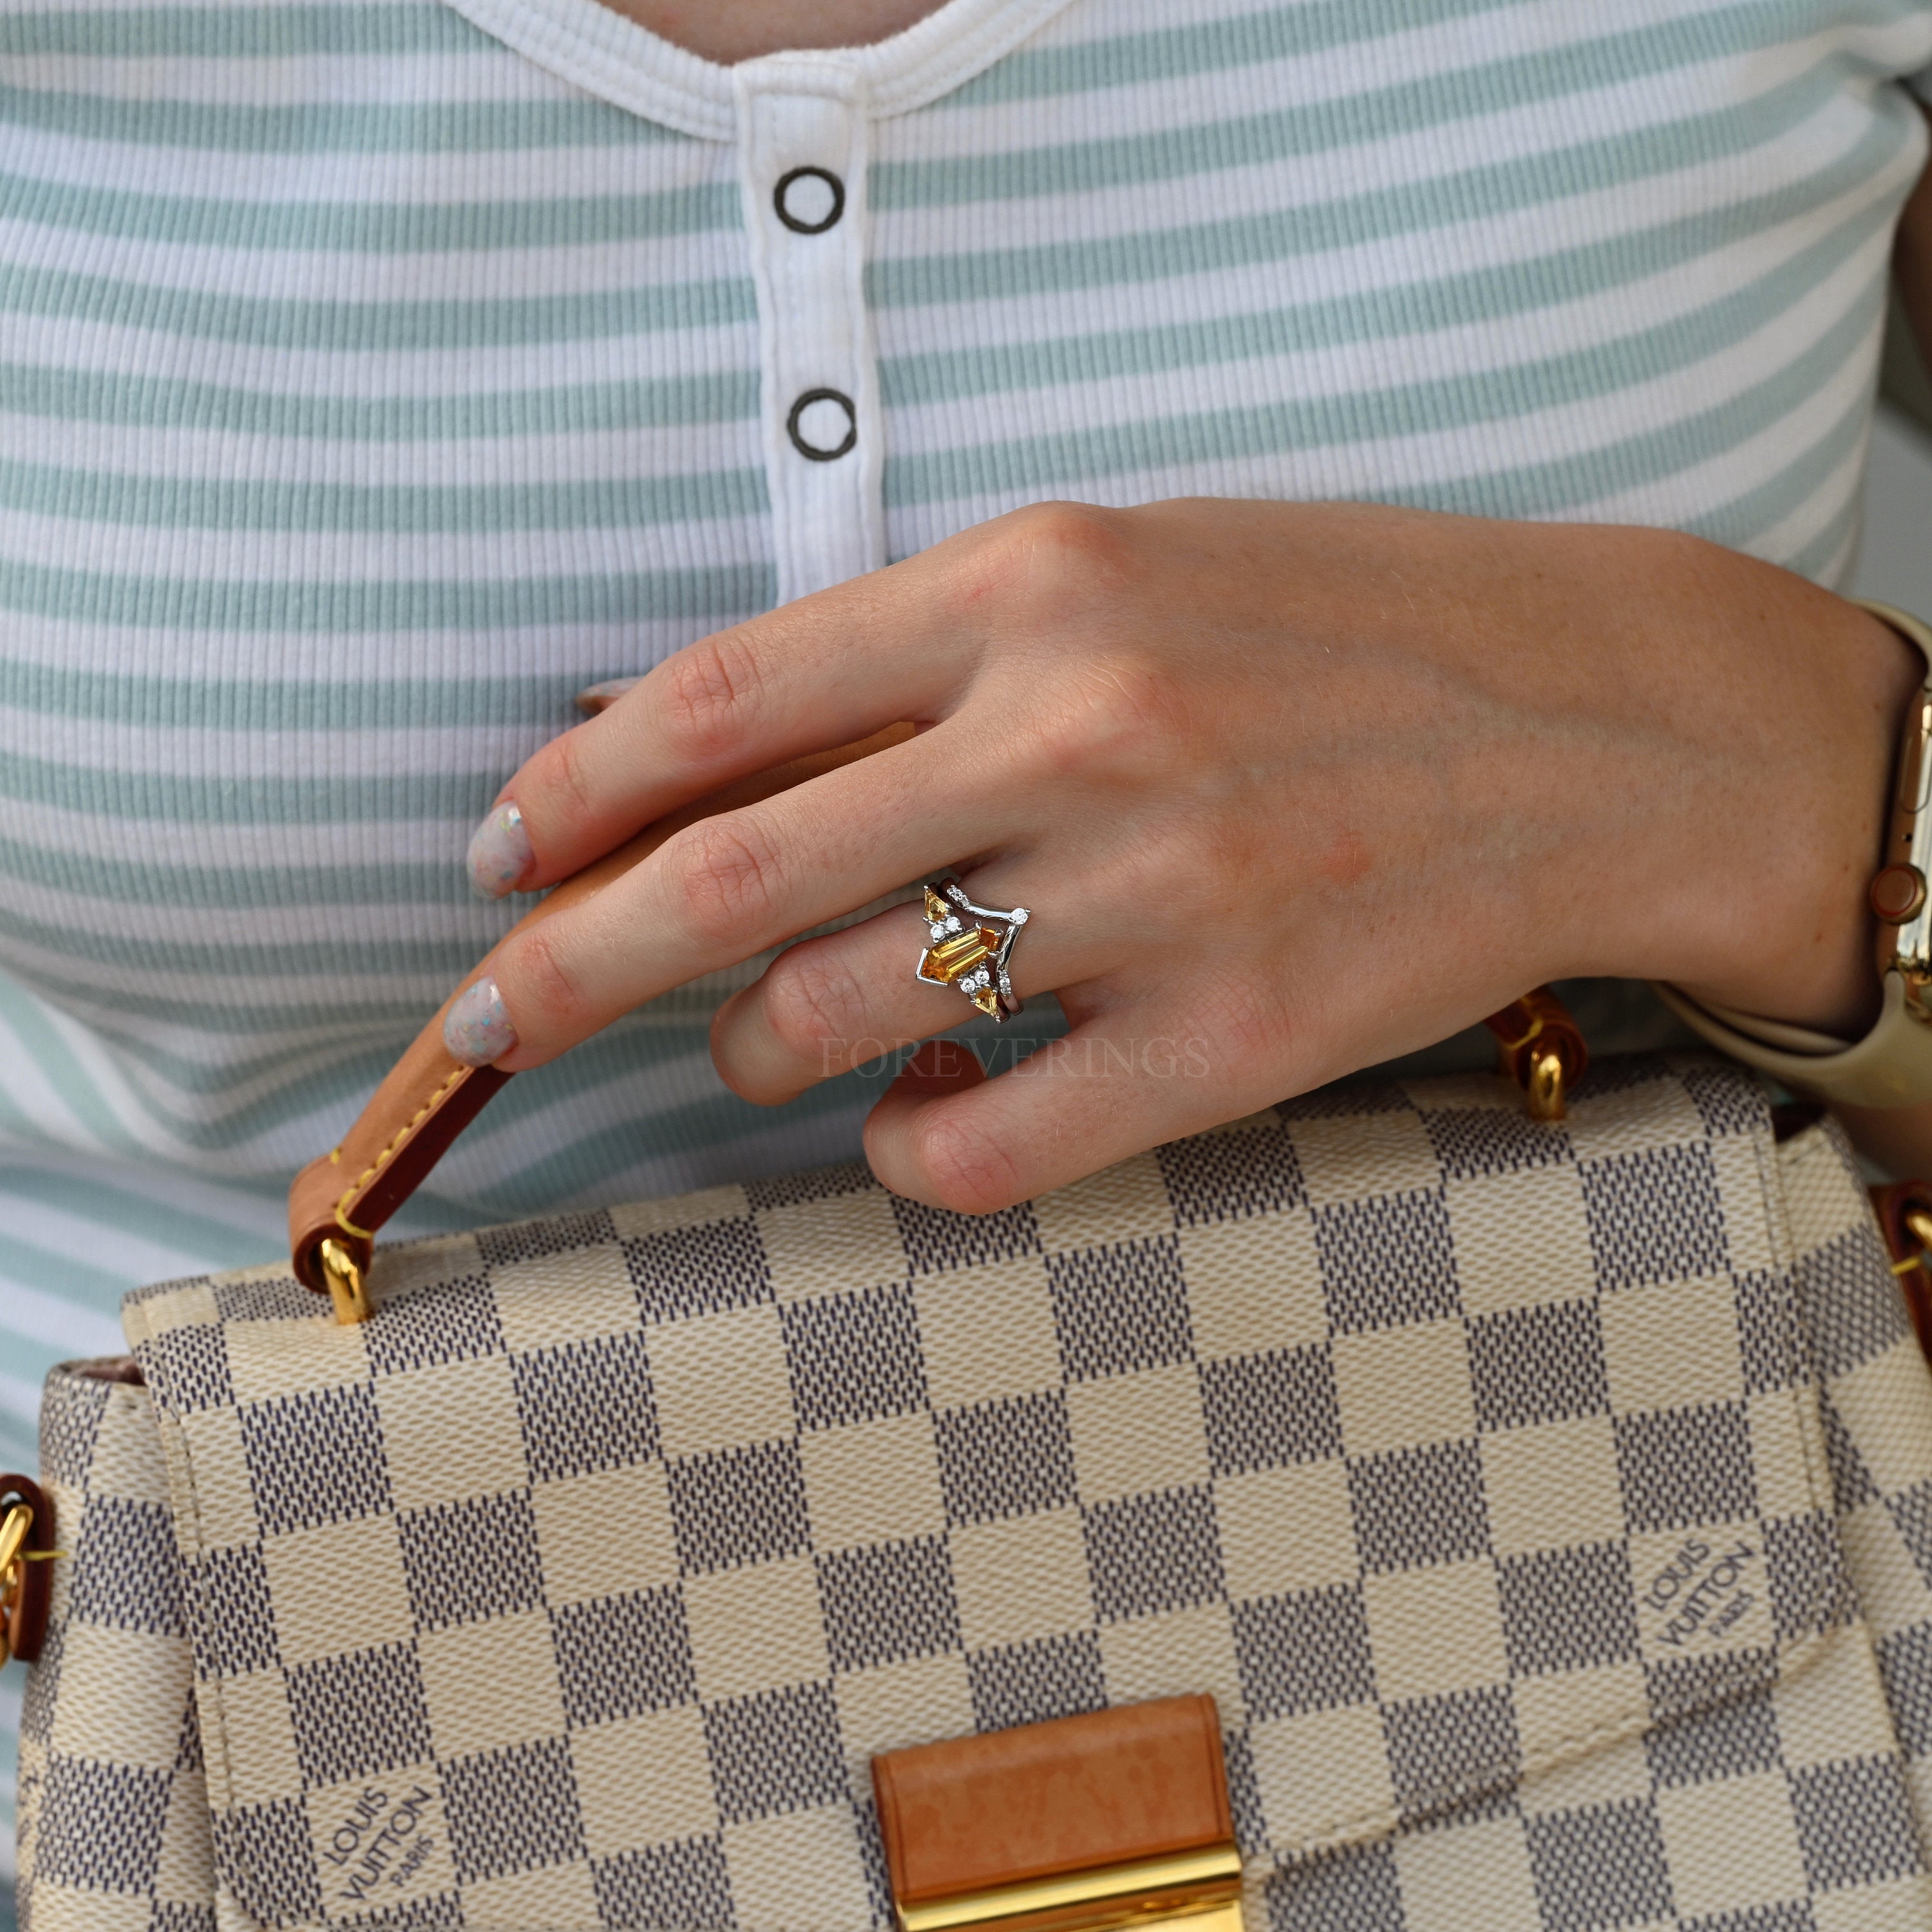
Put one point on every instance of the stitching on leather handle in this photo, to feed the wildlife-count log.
(389, 1152)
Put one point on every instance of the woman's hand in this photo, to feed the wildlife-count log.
(1288, 789)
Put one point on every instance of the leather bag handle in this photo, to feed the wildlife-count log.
(338, 1202)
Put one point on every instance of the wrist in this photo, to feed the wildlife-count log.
(1781, 927)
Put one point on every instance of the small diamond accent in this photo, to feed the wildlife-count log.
(1017, 917)
(937, 928)
(953, 922)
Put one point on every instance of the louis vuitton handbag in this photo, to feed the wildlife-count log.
(1395, 1512)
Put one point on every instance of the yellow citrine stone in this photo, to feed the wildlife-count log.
(952, 958)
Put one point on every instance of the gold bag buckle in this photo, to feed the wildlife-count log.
(1112, 1818)
(23, 1597)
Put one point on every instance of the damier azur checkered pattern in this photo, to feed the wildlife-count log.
(113, 1806)
(1549, 1509)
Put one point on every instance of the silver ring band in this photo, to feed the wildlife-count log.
(967, 945)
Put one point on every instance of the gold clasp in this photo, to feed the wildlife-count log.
(1544, 1092)
(15, 1527)
(1200, 1890)
(1918, 1225)
(347, 1288)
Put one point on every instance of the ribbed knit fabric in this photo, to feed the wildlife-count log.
(374, 376)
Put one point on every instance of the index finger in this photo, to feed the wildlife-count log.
(834, 667)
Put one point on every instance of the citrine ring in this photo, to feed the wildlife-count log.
(968, 945)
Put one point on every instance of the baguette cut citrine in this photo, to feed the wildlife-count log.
(952, 958)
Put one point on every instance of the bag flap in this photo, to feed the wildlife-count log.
(585, 1579)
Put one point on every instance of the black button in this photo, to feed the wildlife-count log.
(812, 449)
(791, 221)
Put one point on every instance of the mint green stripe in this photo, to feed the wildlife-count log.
(20, 1447)
(187, 797)
(135, 401)
(312, 322)
(1813, 558)
(1409, 107)
(375, 953)
(378, 28)
(1169, 54)
(372, 225)
(402, 129)
(721, 594)
(138, 882)
(62, 1071)
(1439, 302)
(61, 1273)
(1745, 519)
(210, 1019)
(1036, 464)
(338, 1087)
(539, 704)
(243, 504)
(351, 1074)
(1488, 192)
(220, 1243)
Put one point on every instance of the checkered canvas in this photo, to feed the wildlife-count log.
(1549, 1510)
(112, 1805)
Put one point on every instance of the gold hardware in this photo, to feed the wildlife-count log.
(1905, 915)
(346, 1288)
(1203, 1888)
(1544, 1084)
(14, 1528)
(1918, 1225)
(1543, 1091)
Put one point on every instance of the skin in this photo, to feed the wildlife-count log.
(1291, 788)
(747, 28)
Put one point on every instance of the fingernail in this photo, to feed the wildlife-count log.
(500, 854)
(596, 698)
(477, 1029)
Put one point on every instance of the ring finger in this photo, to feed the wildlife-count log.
(828, 1004)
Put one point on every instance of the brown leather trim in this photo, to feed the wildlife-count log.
(1141, 1781)
(122, 1369)
(429, 1097)
(27, 1620)
(1891, 1203)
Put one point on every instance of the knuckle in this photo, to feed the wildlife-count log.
(811, 1002)
(1081, 534)
(960, 1166)
(1249, 1021)
(725, 878)
(541, 990)
(1050, 560)
(1120, 713)
(705, 697)
(570, 783)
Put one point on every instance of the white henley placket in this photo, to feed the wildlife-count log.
(802, 124)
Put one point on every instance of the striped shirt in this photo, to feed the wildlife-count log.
(374, 374)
